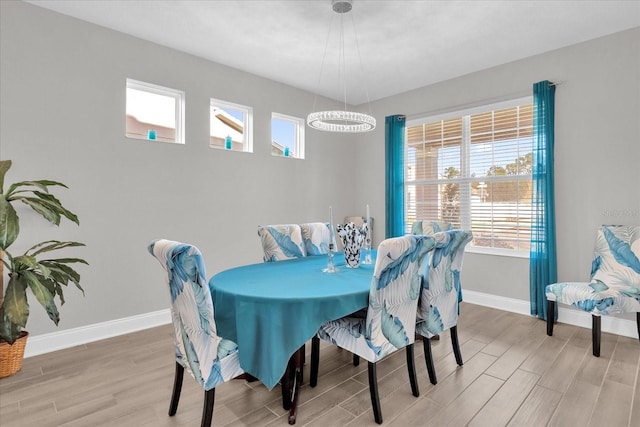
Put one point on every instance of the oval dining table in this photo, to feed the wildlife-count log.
(272, 309)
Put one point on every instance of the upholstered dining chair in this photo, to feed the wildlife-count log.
(438, 308)
(615, 281)
(389, 323)
(317, 237)
(282, 241)
(429, 228)
(210, 359)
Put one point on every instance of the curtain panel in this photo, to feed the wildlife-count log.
(394, 175)
(542, 261)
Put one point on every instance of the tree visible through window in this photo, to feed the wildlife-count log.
(473, 169)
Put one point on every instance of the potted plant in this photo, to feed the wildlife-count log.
(33, 270)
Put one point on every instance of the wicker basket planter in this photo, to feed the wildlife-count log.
(11, 355)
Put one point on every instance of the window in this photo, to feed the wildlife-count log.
(473, 168)
(230, 126)
(287, 136)
(154, 112)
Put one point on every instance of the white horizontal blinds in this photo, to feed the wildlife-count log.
(473, 171)
(433, 157)
(500, 159)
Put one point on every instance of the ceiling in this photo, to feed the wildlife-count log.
(403, 45)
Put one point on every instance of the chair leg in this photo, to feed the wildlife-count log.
(638, 323)
(456, 345)
(177, 387)
(315, 361)
(207, 409)
(356, 360)
(595, 334)
(426, 344)
(373, 390)
(411, 366)
(551, 310)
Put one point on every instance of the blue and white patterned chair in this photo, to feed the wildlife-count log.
(615, 281)
(282, 241)
(438, 308)
(390, 321)
(210, 359)
(317, 236)
(429, 228)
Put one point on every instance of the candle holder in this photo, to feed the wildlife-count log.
(368, 259)
(330, 268)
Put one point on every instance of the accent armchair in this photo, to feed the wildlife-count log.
(615, 281)
(209, 358)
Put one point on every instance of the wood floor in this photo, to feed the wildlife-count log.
(513, 375)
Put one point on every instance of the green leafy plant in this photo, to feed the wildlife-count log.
(44, 277)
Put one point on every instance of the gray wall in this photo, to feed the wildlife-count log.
(62, 85)
(597, 147)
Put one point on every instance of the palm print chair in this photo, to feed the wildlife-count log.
(438, 308)
(317, 237)
(390, 320)
(280, 242)
(429, 228)
(615, 281)
(210, 359)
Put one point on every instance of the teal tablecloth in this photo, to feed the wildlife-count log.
(271, 309)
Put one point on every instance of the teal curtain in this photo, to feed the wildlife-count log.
(542, 261)
(394, 175)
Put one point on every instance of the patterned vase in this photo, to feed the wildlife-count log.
(352, 238)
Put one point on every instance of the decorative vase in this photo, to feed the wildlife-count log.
(352, 238)
(11, 355)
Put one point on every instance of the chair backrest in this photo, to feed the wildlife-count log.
(616, 261)
(395, 289)
(282, 241)
(196, 339)
(317, 236)
(441, 288)
(429, 228)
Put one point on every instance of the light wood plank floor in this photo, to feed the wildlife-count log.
(513, 375)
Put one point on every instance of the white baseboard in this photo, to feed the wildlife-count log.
(46, 343)
(611, 324)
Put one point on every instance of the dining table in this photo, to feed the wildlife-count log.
(272, 309)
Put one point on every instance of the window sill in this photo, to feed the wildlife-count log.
(497, 251)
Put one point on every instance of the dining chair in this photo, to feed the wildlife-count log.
(317, 238)
(438, 308)
(282, 241)
(429, 228)
(615, 281)
(389, 322)
(209, 358)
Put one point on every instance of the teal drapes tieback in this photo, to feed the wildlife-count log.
(542, 261)
(394, 175)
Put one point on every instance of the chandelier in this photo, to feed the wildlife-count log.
(341, 120)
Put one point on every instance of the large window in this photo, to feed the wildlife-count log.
(154, 112)
(230, 126)
(287, 136)
(473, 168)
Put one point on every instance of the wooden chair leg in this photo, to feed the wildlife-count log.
(551, 310)
(411, 366)
(595, 334)
(426, 344)
(177, 387)
(356, 360)
(315, 361)
(373, 390)
(207, 409)
(456, 344)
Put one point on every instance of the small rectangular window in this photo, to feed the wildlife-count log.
(287, 136)
(230, 126)
(154, 112)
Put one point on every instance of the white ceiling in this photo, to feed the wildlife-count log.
(403, 44)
